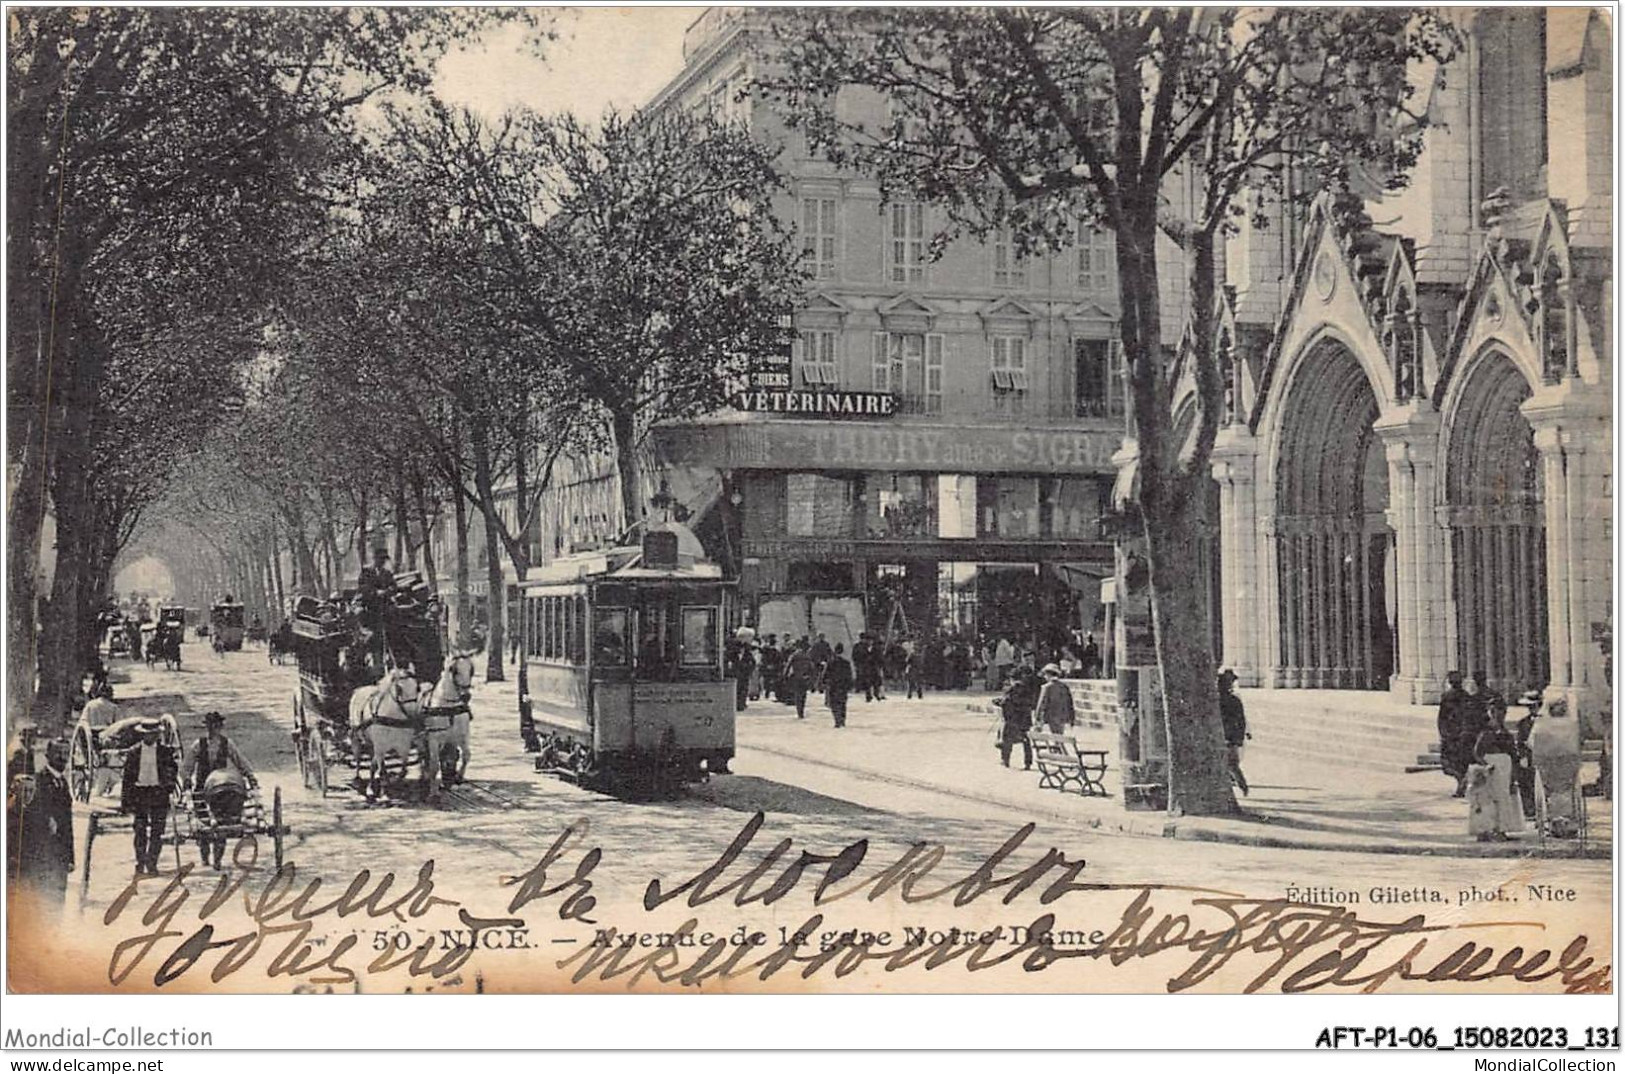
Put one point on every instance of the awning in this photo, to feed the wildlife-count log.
(1126, 488)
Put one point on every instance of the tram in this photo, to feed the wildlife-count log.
(622, 682)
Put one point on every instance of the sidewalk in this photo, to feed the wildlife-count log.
(947, 743)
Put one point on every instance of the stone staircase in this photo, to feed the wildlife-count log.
(1359, 729)
(1093, 700)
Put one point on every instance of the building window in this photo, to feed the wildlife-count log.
(819, 367)
(908, 242)
(1007, 507)
(1070, 508)
(1101, 382)
(909, 366)
(900, 505)
(817, 505)
(1009, 270)
(1096, 259)
(1010, 374)
(818, 235)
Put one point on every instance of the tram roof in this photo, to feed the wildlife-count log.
(619, 564)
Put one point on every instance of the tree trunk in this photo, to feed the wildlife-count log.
(1199, 781)
(420, 501)
(465, 607)
(496, 589)
(405, 551)
(1198, 773)
(276, 577)
(25, 521)
(626, 465)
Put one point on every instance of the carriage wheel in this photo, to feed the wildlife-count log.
(276, 824)
(81, 767)
(84, 865)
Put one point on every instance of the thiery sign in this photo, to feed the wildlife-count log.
(772, 390)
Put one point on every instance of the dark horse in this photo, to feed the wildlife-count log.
(279, 643)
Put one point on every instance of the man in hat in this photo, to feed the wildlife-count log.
(39, 824)
(373, 587)
(150, 770)
(837, 684)
(225, 792)
(1235, 726)
(1054, 710)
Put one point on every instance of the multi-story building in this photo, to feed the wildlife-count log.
(1413, 472)
(939, 447)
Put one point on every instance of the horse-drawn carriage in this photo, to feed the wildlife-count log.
(375, 691)
(163, 641)
(226, 626)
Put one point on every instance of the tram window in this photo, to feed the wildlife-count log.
(555, 628)
(609, 637)
(570, 630)
(552, 628)
(530, 626)
(700, 636)
(654, 644)
(579, 638)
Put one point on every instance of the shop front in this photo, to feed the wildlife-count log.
(909, 531)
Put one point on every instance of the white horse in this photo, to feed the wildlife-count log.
(389, 717)
(450, 694)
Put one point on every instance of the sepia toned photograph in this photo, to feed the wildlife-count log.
(810, 500)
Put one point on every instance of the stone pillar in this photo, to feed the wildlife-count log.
(1269, 639)
(1572, 432)
(1411, 439)
(1244, 616)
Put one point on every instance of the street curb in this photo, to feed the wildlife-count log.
(1214, 830)
(1197, 830)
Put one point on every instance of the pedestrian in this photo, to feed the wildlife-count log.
(1054, 709)
(150, 772)
(1234, 716)
(798, 677)
(990, 667)
(914, 673)
(221, 778)
(1491, 813)
(1016, 712)
(1554, 750)
(837, 684)
(771, 662)
(1004, 658)
(741, 665)
(896, 660)
(820, 653)
(1456, 738)
(863, 666)
(39, 825)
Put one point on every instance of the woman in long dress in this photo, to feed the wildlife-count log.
(1492, 812)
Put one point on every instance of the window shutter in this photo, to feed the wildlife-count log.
(882, 366)
(933, 373)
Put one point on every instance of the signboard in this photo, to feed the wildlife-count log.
(818, 404)
(771, 370)
(788, 444)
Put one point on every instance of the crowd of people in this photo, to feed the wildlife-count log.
(1494, 764)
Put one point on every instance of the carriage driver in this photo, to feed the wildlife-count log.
(373, 586)
(221, 777)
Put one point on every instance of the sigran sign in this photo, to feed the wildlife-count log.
(794, 445)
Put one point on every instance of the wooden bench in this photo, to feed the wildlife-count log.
(1062, 764)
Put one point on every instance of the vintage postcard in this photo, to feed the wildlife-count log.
(810, 500)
